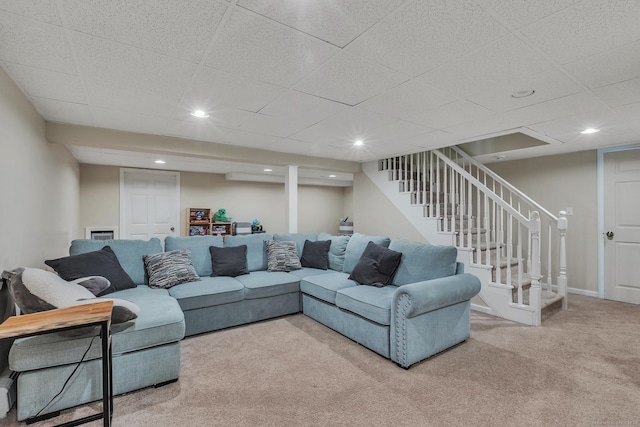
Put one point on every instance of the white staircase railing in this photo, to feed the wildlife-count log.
(496, 224)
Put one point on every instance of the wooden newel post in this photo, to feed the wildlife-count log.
(562, 261)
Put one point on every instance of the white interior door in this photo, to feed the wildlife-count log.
(622, 226)
(149, 204)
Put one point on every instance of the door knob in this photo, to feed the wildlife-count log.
(609, 235)
(173, 228)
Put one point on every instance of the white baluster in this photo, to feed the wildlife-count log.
(562, 262)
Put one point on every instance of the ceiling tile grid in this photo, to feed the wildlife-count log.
(312, 77)
(50, 84)
(214, 88)
(33, 43)
(180, 29)
(336, 21)
(254, 47)
(350, 79)
(424, 35)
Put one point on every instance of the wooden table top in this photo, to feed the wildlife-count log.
(43, 321)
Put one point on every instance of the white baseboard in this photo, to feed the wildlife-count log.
(593, 294)
(482, 309)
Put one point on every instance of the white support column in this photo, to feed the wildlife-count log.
(291, 194)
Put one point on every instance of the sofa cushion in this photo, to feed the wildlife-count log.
(336, 250)
(160, 321)
(199, 246)
(316, 254)
(128, 252)
(376, 267)
(102, 262)
(423, 262)
(324, 286)
(207, 292)
(299, 238)
(230, 262)
(308, 271)
(168, 269)
(356, 246)
(256, 252)
(262, 284)
(367, 301)
(282, 256)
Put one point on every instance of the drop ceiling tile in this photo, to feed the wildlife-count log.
(426, 34)
(63, 112)
(484, 126)
(398, 132)
(505, 60)
(131, 101)
(630, 113)
(349, 79)
(27, 42)
(548, 85)
(408, 99)
(207, 129)
(107, 61)
(520, 13)
(255, 47)
(175, 28)
(214, 88)
(613, 129)
(581, 102)
(450, 115)
(288, 145)
(125, 121)
(619, 94)
(249, 139)
(41, 10)
(436, 139)
(586, 28)
(255, 122)
(597, 70)
(336, 21)
(345, 128)
(47, 84)
(304, 109)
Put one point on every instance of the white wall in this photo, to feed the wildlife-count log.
(318, 207)
(558, 182)
(38, 190)
(39, 187)
(374, 214)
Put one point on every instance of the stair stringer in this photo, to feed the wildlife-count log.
(496, 296)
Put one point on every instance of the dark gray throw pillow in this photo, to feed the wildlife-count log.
(316, 254)
(97, 263)
(230, 261)
(376, 266)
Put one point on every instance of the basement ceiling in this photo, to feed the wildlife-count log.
(311, 77)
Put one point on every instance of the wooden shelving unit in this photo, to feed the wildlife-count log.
(221, 228)
(199, 222)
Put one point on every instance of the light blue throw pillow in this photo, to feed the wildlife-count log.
(336, 251)
(423, 261)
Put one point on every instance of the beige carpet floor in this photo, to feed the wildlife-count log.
(581, 368)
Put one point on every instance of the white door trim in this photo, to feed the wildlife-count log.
(149, 172)
(600, 172)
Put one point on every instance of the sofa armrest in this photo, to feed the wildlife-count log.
(422, 297)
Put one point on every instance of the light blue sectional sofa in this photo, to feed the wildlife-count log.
(424, 311)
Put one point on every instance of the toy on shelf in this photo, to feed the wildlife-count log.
(221, 216)
(256, 227)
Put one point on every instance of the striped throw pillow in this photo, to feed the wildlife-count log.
(167, 269)
(282, 255)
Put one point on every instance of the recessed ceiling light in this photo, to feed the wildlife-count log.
(590, 130)
(358, 142)
(523, 93)
(199, 114)
(332, 176)
(268, 170)
(160, 162)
